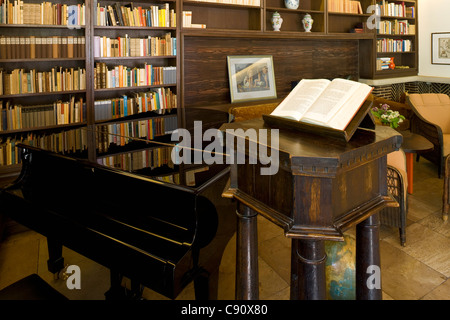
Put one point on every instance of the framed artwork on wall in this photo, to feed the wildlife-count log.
(440, 48)
(251, 78)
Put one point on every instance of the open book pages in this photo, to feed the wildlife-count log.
(324, 102)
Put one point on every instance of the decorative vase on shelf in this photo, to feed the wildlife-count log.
(292, 4)
(277, 20)
(307, 22)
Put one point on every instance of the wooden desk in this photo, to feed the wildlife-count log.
(323, 187)
(413, 143)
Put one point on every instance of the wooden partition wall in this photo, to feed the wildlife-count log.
(205, 78)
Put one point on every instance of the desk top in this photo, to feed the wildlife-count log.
(303, 152)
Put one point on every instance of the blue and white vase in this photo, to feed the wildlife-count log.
(292, 4)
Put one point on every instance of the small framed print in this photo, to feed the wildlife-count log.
(251, 78)
(440, 48)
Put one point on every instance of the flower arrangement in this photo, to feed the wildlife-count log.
(387, 116)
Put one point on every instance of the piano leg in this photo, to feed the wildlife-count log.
(206, 285)
(119, 292)
(116, 291)
(55, 262)
(247, 286)
(308, 270)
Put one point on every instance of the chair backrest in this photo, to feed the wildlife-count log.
(433, 107)
(397, 159)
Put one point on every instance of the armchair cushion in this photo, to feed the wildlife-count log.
(431, 119)
(434, 108)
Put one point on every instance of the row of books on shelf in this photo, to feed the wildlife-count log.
(33, 47)
(16, 117)
(19, 81)
(122, 76)
(345, 6)
(255, 3)
(395, 9)
(105, 47)
(45, 13)
(122, 133)
(158, 99)
(137, 160)
(136, 16)
(65, 142)
(187, 21)
(394, 45)
(396, 27)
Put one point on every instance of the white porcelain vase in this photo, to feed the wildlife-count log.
(307, 22)
(277, 20)
(292, 4)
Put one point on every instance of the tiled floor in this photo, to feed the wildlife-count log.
(420, 270)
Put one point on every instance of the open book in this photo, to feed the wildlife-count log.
(324, 102)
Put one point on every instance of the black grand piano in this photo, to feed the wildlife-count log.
(159, 234)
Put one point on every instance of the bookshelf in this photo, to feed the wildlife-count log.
(124, 68)
(395, 40)
(292, 18)
(348, 16)
(134, 73)
(43, 73)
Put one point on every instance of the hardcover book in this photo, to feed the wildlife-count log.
(323, 102)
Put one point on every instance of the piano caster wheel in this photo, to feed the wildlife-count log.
(62, 274)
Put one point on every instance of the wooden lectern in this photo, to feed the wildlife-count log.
(323, 186)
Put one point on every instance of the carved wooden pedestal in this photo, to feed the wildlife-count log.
(322, 187)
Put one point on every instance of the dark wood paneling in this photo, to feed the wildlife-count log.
(206, 72)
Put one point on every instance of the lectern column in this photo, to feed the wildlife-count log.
(368, 273)
(308, 270)
(247, 286)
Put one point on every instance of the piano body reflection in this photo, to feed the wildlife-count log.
(159, 234)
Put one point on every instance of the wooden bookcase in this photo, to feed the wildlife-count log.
(148, 47)
(405, 57)
(29, 107)
(201, 76)
(292, 18)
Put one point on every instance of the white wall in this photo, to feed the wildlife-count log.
(434, 16)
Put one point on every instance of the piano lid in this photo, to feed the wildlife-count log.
(153, 146)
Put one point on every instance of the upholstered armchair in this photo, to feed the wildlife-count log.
(431, 119)
(446, 193)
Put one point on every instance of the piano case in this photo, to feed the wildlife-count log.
(160, 235)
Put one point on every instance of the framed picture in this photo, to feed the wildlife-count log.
(440, 48)
(251, 78)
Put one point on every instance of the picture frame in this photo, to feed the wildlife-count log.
(251, 78)
(440, 48)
